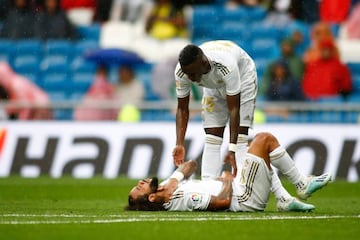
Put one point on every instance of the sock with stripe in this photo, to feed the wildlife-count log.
(211, 161)
(242, 147)
(281, 194)
(282, 160)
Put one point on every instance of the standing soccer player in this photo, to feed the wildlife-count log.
(229, 80)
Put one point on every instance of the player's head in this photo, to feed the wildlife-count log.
(143, 197)
(193, 62)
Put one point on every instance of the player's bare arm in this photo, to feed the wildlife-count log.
(185, 170)
(223, 200)
(234, 123)
(188, 168)
(182, 119)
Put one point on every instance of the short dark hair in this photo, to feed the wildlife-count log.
(189, 54)
(142, 203)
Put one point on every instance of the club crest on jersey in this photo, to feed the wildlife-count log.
(196, 197)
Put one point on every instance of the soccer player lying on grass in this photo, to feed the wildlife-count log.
(248, 192)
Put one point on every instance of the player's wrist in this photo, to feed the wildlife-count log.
(232, 147)
(177, 175)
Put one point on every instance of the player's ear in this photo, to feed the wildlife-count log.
(152, 197)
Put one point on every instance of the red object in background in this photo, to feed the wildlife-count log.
(69, 4)
(323, 78)
(2, 138)
(334, 11)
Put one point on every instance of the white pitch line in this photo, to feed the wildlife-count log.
(153, 218)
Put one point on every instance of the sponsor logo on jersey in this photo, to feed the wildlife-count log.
(196, 198)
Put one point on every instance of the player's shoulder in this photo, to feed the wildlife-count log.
(178, 71)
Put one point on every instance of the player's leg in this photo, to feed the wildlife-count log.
(278, 157)
(247, 108)
(214, 113)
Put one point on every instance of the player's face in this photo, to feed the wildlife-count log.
(144, 186)
(195, 70)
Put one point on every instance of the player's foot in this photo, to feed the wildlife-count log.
(314, 183)
(294, 205)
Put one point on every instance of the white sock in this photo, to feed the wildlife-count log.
(242, 147)
(282, 160)
(277, 188)
(211, 162)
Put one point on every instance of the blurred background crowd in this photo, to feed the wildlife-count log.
(60, 59)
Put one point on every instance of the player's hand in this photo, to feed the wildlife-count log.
(226, 175)
(178, 155)
(230, 159)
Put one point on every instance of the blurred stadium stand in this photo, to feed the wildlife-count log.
(59, 68)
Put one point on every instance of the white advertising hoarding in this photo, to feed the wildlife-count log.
(111, 149)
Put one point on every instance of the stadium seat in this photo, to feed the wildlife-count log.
(261, 31)
(28, 47)
(235, 15)
(55, 64)
(232, 31)
(80, 65)
(356, 83)
(264, 48)
(247, 15)
(354, 67)
(28, 66)
(82, 46)
(89, 32)
(80, 82)
(205, 15)
(6, 50)
(354, 98)
(62, 48)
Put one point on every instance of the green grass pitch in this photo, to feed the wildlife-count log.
(68, 208)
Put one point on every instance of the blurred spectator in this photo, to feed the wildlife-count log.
(326, 76)
(22, 90)
(294, 64)
(166, 21)
(4, 96)
(162, 78)
(351, 25)
(283, 86)
(128, 89)
(80, 12)
(306, 11)
(319, 32)
(130, 11)
(334, 11)
(163, 83)
(129, 93)
(52, 23)
(5, 6)
(71, 4)
(238, 3)
(19, 21)
(278, 13)
(298, 39)
(99, 92)
(102, 11)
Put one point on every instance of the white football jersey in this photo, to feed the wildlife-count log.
(251, 189)
(193, 195)
(229, 64)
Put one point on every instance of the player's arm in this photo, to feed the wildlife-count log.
(234, 123)
(182, 119)
(184, 171)
(223, 200)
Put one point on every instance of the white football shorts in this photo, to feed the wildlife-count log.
(215, 111)
(252, 185)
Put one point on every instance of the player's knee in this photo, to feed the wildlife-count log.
(265, 137)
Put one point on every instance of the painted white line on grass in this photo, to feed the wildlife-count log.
(154, 218)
